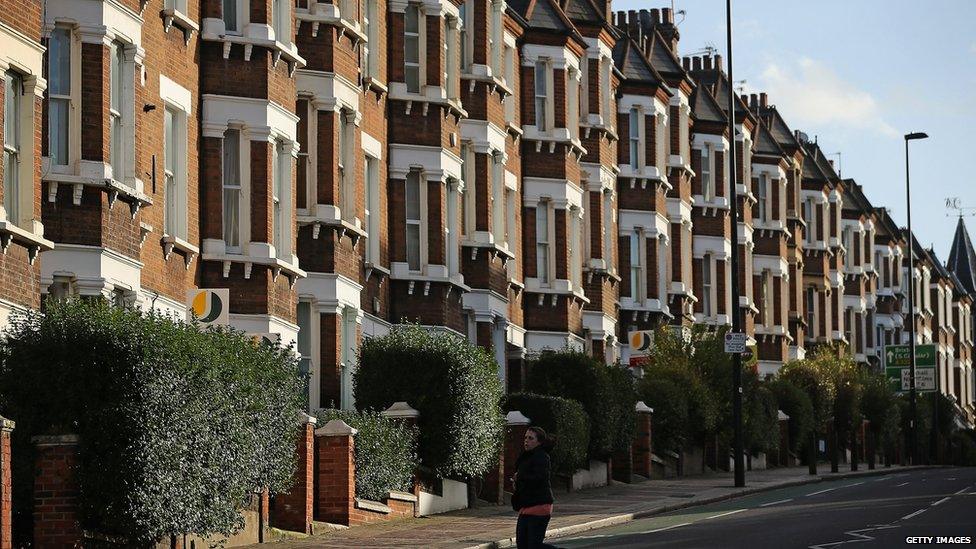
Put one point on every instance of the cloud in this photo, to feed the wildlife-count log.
(810, 93)
(972, 48)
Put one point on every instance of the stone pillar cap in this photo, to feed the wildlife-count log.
(335, 428)
(400, 410)
(304, 418)
(516, 417)
(782, 416)
(642, 408)
(7, 425)
(55, 440)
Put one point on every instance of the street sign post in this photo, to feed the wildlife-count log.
(898, 367)
(735, 342)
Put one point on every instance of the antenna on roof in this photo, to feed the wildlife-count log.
(840, 162)
(955, 203)
(682, 13)
(740, 86)
(709, 50)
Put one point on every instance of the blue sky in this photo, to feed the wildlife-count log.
(859, 75)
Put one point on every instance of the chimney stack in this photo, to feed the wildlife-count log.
(696, 63)
(706, 62)
(666, 16)
(686, 63)
(754, 101)
(718, 62)
(763, 101)
(655, 16)
(633, 25)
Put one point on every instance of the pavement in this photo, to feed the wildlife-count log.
(574, 513)
(920, 507)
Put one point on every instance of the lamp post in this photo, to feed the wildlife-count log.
(737, 445)
(911, 298)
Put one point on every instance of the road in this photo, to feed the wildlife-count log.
(881, 511)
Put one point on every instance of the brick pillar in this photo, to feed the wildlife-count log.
(336, 475)
(294, 510)
(516, 425)
(784, 439)
(405, 414)
(56, 492)
(6, 514)
(495, 480)
(642, 447)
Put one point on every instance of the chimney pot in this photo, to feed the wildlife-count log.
(656, 15)
(718, 62)
(686, 63)
(706, 62)
(753, 100)
(763, 100)
(632, 22)
(645, 20)
(696, 63)
(666, 16)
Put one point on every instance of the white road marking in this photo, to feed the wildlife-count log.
(881, 479)
(859, 537)
(855, 484)
(941, 501)
(775, 502)
(912, 515)
(961, 491)
(673, 526)
(821, 492)
(902, 484)
(725, 514)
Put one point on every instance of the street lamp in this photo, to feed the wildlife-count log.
(911, 297)
(737, 445)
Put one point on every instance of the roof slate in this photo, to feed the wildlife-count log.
(630, 61)
(765, 144)
(962, 258)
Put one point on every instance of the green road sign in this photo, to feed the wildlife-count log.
(926, 379)
(899, 356)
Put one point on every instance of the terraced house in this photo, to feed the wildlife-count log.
(525, 174)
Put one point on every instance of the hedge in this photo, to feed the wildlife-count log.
(452, 383)
(385, 451)
(795, 403)
(670, 421)
(604, 395)
(167, 413)
(564, 420)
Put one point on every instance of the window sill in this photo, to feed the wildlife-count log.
(213, 31)
(558, 286)
(276, 265)
(188, 250)
(329, 14)
(647, 306)
(435, 95)
(494, 249)
(172, 17)
(374, 268)
(345, 228)
(434, 274)
(719, 202)
(491, 81)
(131, 194)
(34, 242)
(553, 136)
(371, 83)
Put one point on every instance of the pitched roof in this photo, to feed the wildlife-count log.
(765, 144)
(858, 201)
(777, 127)
(962, 258)
(662, 58)
(939, 267)
(705, 108)
(546, 15)
(583, 10)
(630, 61)
(817, 166)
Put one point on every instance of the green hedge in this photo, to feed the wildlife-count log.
(385, 451)
(671, 419)
(564, 420)
(452, 383)
(607, 396)
(177, 426)
(795, 403)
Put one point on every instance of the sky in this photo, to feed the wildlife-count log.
(858, 75)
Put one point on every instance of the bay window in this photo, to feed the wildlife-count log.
(413, 220)
(412, 48)
(707, 183)
(542, 241)
(371, 45)
(230, 16)
(542, 120)
(372, 182)
(280, 211)
(174, 171)
(638, 259)
(498, 213)
(762, 196)
(116, 111)
(281, 20)
(468, 202)
(13, 91)
(707, 285)
(811, 304)
(346, 164)
(59, 95)
(635, 138)
(232, 191)
(466, 14)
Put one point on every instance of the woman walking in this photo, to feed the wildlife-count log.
(533, 493)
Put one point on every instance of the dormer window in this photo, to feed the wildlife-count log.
(411, 48)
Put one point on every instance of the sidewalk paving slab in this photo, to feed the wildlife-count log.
(492, 527)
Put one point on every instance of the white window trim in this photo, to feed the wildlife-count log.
(547, 67)
(510, 64)
(243, 191)
(709, 293)
(469, 176)
(345, 120)
(73, 101)
(607, 227)
(575, 266)
(281, 21)
(243, 9)
(550, 232)
(127, 116)
(708, 169)
(496, 169)
(421, 49)
(421, 222)
(452, 251)
(371, 21)
(638, 112)
(179, 100)
(638, 272)
(371, 184)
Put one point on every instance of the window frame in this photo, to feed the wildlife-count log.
(763, 198)
(415, 177)
(708, 286)
(635, 126)
(370, 25)
(13, 108)
(371, 183)
(68, 100)
(346, 165)
(543, 249)
(280, 199)
(543, 67)
(498, 206)
(281, 20)
(707, 159)
(237, 188)
(811, 311)
(419, 35)
(638, 265)
(240, 8)
(116, 111)
(469, 200)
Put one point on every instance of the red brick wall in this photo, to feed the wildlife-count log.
(55, 492)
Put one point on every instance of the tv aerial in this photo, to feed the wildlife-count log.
(955, 203)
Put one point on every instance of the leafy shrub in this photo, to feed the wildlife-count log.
(795, 403)
(385, 451)
(578, 376)
(624, 391)
(563, 419)
(760, 418)
(166, 414)
(452, 383)
(670, 420)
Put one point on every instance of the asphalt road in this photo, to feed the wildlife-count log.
(874, 511)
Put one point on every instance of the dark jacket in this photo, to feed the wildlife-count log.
(532, 485)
